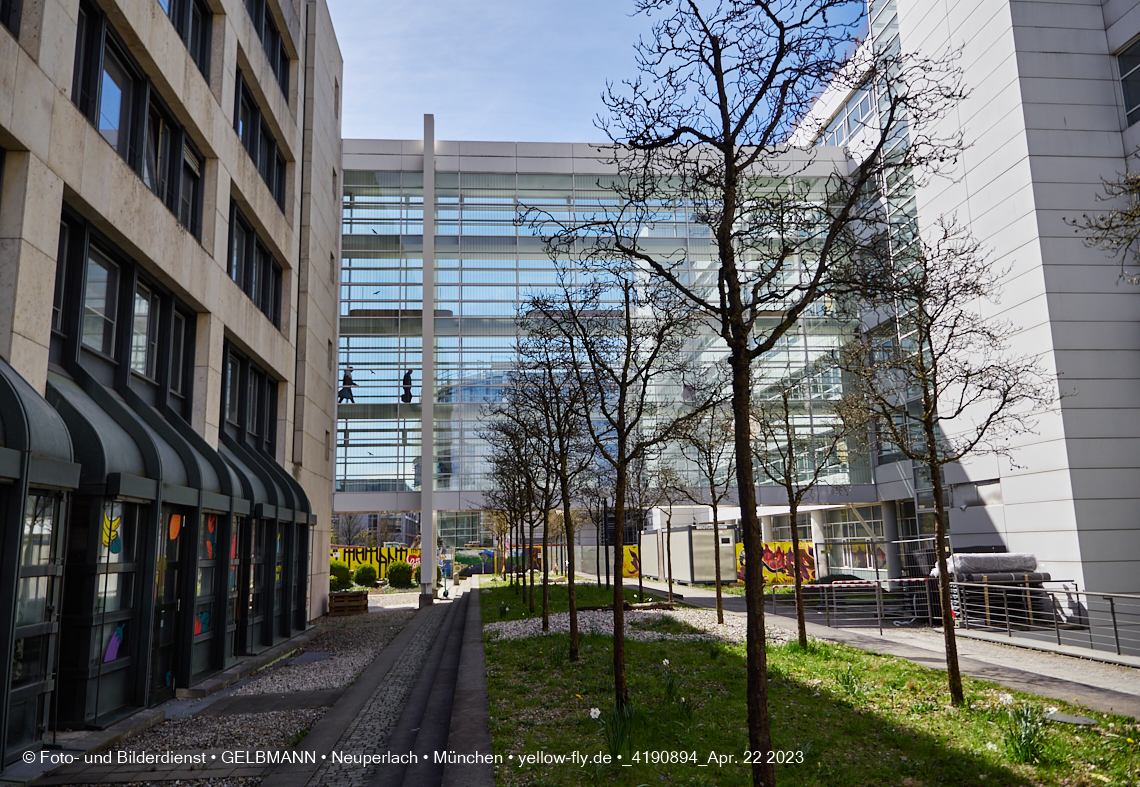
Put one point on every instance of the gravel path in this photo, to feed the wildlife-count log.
(638, 626)
(352, 643)
(370, 732)
(273, 730)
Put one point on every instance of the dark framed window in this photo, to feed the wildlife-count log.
(10, 15)
(144, 331)
(114, 94)
(100, 302)
(107, 311)
(259, 142)
(253, 268)
(194, 23)
(270, 37)
(250, 401)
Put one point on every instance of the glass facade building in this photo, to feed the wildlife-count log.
(480, 264)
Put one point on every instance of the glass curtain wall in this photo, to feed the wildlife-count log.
(486, 265)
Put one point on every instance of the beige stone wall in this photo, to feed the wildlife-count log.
(54, 154)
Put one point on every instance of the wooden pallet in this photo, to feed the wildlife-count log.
(350, 602)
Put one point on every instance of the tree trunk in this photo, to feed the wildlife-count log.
(530, 567)
(545, 572)
(957, 696)
(716, 561)
(669, 549)
(570, 574)
(640, 582)
(759, 729)
(801, 624)
(621, 692)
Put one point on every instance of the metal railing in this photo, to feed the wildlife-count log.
(1049, 612)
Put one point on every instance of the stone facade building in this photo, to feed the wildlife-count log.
(169, 256)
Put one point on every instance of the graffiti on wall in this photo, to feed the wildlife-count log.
(377, 557)
(631, 562)
(779, 567)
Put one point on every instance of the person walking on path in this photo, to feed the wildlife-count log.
(346, 386)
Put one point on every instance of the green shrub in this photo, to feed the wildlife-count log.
(365, 575)
(416, 575)
(340, 570)
(400, 575)
(334, 583)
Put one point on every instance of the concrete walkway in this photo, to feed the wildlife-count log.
(424, 693)
(1088, 680)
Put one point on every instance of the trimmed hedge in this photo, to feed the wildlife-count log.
(400, 575)
(341, 573)
(365, 575)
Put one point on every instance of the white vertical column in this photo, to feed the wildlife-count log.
(427, 377)
(766, 531)
(822, 564)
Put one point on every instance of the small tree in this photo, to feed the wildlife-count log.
(798, 445)
(627, 343)
(707, 443)
(938, 380)
(350, 529)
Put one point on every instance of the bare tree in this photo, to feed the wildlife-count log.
(707, 443)
(1117, 230)
(627, 342)
(797, 445)
(351, 529)
(938, 379)
(546, 385)
(714, 128)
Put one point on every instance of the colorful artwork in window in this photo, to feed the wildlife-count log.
(210, 536)
(111, 538)
(175, 526)
(115, 643)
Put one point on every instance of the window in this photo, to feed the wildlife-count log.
(193, 21)
(10, 15)
(270, 40)
(253, 268)
(144, 332)
(177, 354)
(190, 195)
(258, 141)
(233, 370)
(100, 301)
(1129, 62)
(60, 279)
(126, 109)
(252, 421)
(100, 289)
(115, 94)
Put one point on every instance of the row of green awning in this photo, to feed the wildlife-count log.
(86, 437)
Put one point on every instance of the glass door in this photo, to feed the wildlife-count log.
(167, 609)
(202, 659)
(37, 622)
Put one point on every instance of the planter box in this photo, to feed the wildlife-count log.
(348, 602)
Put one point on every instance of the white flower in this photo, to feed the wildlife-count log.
(1005, 699)
(665, 662)
(595, 713)
(1051, 709)
(991, 746)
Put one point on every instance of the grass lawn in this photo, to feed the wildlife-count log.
(843, 716)
(504, 604)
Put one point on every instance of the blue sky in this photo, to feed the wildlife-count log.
(527, 70)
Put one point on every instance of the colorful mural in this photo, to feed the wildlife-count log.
(377, 557)
(778, 562)
(474, 561)
(631, 562)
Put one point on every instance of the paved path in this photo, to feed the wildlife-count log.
(1107, 687)
(425, 692)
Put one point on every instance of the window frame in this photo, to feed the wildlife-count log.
(182, 14)
(259, 141)
(272, 42)
(260, 276)
(95, 38)
(255, 399)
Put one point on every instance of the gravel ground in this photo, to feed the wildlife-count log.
(274, 730)
(248, 781)
(602, 622)
(352, 642)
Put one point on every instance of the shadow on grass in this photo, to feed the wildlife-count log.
(834, 735)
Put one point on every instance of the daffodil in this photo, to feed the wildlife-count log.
(665, 662)
(595, 713)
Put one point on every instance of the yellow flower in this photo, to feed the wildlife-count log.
(579, 696)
